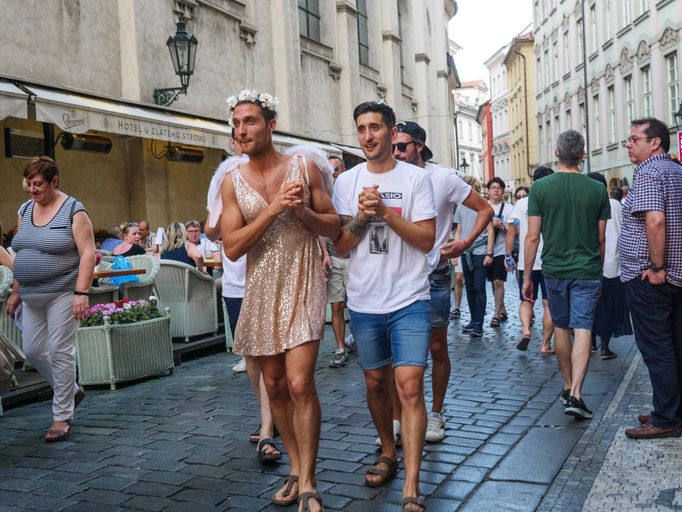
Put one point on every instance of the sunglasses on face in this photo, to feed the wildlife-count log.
(402, 146)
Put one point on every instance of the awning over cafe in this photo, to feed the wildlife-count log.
(351, 150)
(79, 114)
(289, 140)
(13, 102)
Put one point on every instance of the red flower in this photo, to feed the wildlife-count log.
(118, 303)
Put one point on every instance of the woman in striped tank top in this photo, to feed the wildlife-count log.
(53, 266)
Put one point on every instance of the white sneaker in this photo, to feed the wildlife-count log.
(435, 428)
(350, 343)
(240, 367)
(396, 435)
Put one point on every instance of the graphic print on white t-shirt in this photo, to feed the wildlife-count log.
(378, 230)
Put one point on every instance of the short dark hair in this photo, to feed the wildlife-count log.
(334, 157)
(497, 180)
(597, 176)
(268, 114)
(616, 193)
(519, 189)
(570, 147)
(379, 107)
(541, 172)
(655, 128)
(42, 165)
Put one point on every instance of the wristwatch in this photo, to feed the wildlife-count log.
(489, 254)
(655, 268)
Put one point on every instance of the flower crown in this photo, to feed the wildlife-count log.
(265, 100)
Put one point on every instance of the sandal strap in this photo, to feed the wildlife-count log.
(289, 481)
(392, 467)
(304, 497)
(414, 500)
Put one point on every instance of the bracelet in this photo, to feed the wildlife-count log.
(84, 294)
(489, 254)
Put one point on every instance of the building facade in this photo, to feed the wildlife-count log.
(632, 50)
(522, 108)
(485, 121)
(468, 98)
(499, 111)
(91, 68)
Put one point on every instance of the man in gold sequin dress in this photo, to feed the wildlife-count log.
(273, 207)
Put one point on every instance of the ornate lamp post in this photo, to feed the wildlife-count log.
(183, 52)
(464, 165)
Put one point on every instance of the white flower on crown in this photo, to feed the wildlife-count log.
(266, 100)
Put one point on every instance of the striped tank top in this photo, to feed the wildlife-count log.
(47, 258)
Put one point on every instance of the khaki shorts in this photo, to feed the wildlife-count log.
(337, 279)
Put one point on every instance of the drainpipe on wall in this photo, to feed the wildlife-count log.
(587, 112)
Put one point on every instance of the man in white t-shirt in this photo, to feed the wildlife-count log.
(387, 208)
(409, 145)
(208, 249)
(518, 223)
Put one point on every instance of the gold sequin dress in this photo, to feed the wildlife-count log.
(285, 296)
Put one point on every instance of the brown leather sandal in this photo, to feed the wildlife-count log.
(289, 482)
(304, 497)
(414, 500)
(384, 474)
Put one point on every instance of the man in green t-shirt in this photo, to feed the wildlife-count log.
(570, 210)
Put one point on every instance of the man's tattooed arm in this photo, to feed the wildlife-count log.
(354, 225)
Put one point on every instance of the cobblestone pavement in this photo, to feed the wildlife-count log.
(180, 442)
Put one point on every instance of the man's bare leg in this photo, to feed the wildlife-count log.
(410, 384)
(525, 314)
(547, 327)
(339, 324)
(441, 368)
(498, 294)
(459, 285)
(300, 371)
(275, 378)
(563, 349)
(256, 379)
(379, 383)
(580, 359)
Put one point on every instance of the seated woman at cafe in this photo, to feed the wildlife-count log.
(130, 234)
(176, 247)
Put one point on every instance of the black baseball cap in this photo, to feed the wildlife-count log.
(417, 133)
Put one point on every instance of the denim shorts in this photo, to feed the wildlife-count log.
(440, 301)
(572, 302)
(538, 281)
(403, 335)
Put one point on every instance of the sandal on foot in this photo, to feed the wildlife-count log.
(504, 317)
(384, 474)
(455, 314)
(414, 500)
(305, 497)
(55, 435)
(263, 454)
(495, 322)
(288, 482)
(549, 352)
(523, 344)
(255, 436)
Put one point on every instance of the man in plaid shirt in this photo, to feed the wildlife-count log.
(650, 246)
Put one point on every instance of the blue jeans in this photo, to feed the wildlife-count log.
(403, 335)
(440, 301)
(474, 282)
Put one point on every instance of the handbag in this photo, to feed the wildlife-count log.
(121, 263)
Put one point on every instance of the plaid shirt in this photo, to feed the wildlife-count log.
(657, 186)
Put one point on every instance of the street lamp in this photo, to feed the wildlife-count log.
(678, 115)
(183, 52)
(464, 165)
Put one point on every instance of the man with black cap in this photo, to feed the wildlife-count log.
(409, 145)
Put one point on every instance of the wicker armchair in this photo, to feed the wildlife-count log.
(229, 340)
(7, 325)
(144, 287)
(105, 292)
(191, 297)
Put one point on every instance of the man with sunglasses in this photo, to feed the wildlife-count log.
(651, 267)
(409, 145)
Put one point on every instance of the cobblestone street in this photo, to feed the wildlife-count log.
(180, 442)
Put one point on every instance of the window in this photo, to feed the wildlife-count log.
(612, 114)
(541, 144)
(309, 19)
(646, 91)
(582, 117)
(596, 124)
(593, 29)
(629, 98)
(545, 68)
(642, 6)
(538, 67)
(673, 84)
(536, 13)
(555, 137)
(626, 13)
(581, 48)
(555, 61)
(363, 33)
(549, 143)
(567, 53)
(608, 20)
(569, 122)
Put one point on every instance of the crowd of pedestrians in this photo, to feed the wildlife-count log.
(388, 240)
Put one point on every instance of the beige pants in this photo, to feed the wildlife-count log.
(50, 344)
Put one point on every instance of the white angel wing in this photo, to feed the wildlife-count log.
(214, 202)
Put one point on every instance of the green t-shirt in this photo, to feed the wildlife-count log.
(571, 206)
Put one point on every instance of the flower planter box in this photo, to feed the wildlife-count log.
(111, 353)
